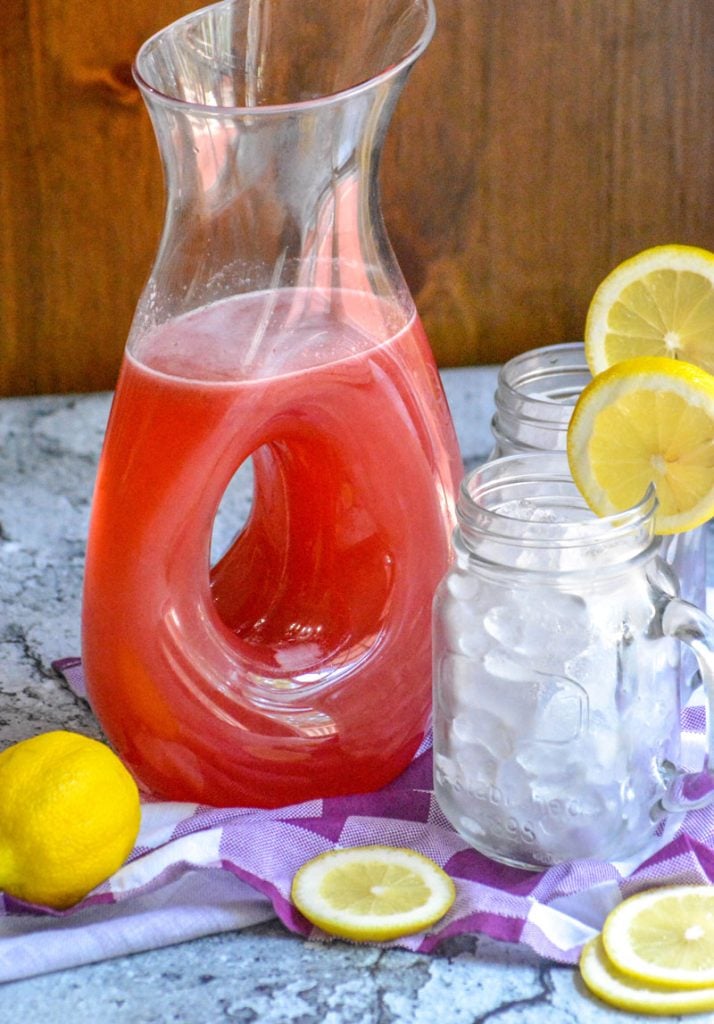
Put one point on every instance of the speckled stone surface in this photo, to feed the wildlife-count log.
(48, 455)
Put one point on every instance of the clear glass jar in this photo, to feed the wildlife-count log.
(535, 396)
(556, 695)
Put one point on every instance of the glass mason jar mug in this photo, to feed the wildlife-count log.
(556, 656)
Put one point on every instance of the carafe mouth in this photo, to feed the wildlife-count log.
(270, 56)
(525, 511)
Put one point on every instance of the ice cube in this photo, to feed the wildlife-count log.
(470, 827)
(503, 623)
(476, 764)
(459, 683)
(463, 586)
(546, 626)
(562, 712)
(500, 665)
(514, 783)
(462, 622)
(473, 642)
(595, 670)
(604, 754)
(547, 760)
(504, 689)
(484, 728)
(526, 510)
(576, 821)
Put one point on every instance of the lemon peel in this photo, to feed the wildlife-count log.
(69, 817)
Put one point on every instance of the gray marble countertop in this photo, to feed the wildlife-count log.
(48, 455)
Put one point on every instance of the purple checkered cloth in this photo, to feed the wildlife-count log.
(198, 870)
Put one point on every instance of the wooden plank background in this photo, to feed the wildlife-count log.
(538, 142)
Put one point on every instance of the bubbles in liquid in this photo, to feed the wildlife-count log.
(269, 334)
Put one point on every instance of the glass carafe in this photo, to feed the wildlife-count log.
(277, 329)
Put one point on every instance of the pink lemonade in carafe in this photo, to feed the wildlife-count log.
(299, 665)
(276, 330)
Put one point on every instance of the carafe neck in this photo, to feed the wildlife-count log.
(270, 120)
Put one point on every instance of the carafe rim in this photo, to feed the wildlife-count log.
(389, 73)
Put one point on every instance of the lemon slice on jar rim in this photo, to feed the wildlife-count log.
(648, 420)
(372, 893)
(657, 303)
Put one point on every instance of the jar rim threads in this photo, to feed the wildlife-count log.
(529, 502)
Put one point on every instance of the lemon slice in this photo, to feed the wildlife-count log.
(627, 993)
(658, 303)
(646, 420)
(372, 893)
(664, 936)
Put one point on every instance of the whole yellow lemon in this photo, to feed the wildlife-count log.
(69, 817)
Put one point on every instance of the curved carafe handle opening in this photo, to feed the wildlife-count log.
(694, 628)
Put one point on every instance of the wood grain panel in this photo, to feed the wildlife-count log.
(81, 189)
(543, 142)
(538, 143)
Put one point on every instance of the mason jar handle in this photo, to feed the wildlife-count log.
(694, 628)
